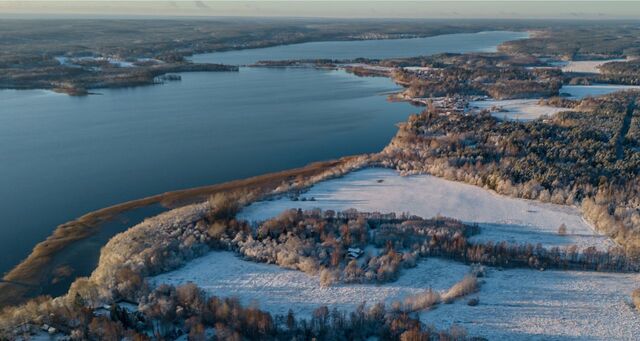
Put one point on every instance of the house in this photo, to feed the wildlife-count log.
(127, 305)
(104, 310)
(354, 252)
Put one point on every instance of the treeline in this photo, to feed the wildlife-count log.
(570, 159)
(168, 312)
(533, 256)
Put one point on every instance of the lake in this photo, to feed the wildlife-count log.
(64, 156)
(389, 48)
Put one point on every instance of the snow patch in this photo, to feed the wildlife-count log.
(517, 109)
(584, 66)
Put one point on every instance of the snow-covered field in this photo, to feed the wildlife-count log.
(501, 218)
(277, 290)
(529, 109)
(526, 304)
(514, 303)
(520, 304)
(582, 91)
(517, 109)
(585, 66)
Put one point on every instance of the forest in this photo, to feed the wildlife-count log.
(569, 41)
(588, 157)
(627, 72)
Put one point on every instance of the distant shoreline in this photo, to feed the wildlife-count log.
(83, 81)
(121, 77)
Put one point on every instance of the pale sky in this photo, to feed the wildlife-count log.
(328, 9)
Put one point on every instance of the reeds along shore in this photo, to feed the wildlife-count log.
(26, 279)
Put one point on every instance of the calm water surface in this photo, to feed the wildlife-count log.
(63, 156)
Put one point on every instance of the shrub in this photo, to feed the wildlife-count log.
(308, 265)
(422, 301)
(466, 286)
(216, 229)
(223, 206)
(409, 260)
(562, 230)
(328, 277)
(129, 283)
